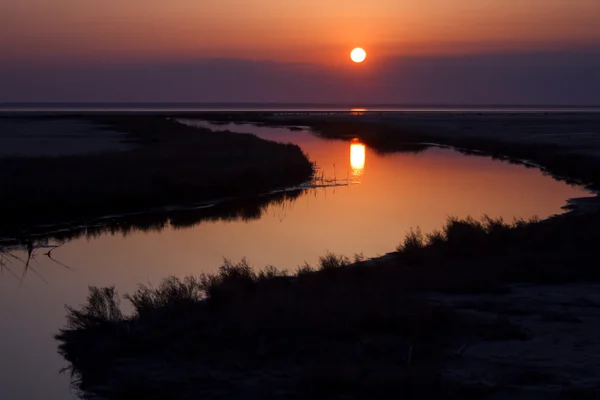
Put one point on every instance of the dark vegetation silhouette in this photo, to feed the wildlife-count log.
(346, 327)
(171, 164)
(240, 209)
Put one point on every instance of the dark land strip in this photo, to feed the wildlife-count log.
(169, 164)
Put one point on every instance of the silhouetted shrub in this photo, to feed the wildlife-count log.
(435, 238)
(332, 261)
(102, 307)
(358, 257)
(271, 272)
(413, 241)
(170, 293)
(304, 269)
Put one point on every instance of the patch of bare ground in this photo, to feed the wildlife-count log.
(561, 353)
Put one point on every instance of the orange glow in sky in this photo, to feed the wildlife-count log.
(291, 30)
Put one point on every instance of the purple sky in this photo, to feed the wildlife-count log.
(565, 78)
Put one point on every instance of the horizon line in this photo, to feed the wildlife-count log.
(320, 104)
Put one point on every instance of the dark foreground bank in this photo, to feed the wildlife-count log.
(346, 329)
(170, 164)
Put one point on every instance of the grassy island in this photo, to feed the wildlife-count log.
(169, 164)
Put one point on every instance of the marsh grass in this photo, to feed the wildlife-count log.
(172, 293)
(339, 328)
(413, 241)
(289, 333)
(102, 307)
(331, 261)
(469, 254)
(458, 232)
(172, 164)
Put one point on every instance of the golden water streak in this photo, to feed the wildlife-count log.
(357, 158)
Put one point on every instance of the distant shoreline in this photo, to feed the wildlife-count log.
(6, 109)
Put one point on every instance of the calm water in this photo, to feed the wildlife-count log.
(388, 195)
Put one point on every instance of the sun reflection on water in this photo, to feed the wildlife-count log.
(358, 111)
(357, 157)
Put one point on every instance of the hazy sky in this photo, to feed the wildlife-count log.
(71, 41)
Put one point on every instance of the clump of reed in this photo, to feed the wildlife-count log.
(461, 232)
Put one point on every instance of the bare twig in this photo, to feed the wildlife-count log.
(49, 254)
(60, 263)
(13, 256)
(31, 257)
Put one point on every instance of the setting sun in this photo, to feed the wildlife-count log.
(358, 55)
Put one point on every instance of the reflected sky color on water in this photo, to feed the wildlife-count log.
(391, 194)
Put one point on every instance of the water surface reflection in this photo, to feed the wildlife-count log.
(357, 157)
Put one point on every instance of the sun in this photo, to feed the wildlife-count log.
(358, 55)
